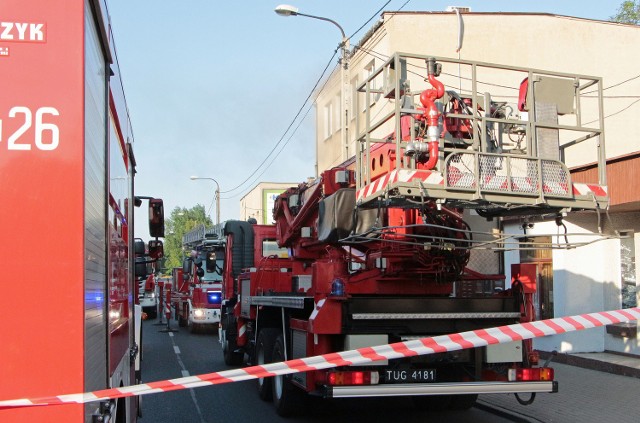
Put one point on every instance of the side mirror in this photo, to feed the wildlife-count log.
(156, 218)
(141, 267)
(138, 247)
(156, 249)
(186, 266)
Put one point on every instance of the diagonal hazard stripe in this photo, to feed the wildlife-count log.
(425, 346)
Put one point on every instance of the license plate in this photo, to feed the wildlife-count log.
(410, 376)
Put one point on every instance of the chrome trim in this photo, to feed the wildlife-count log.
(385, 316)
(290, 302)
(393, 390)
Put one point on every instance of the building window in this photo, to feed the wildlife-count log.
(628, 270)
(328, 120)
(372, 83)
(338, 111)
(354, 98)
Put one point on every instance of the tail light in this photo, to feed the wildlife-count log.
(353, 378)
(531, 374)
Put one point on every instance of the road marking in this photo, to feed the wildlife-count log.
(185, 373)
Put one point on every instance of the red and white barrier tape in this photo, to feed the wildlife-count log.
(425, 346)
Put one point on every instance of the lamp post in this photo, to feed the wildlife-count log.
(217, 195)
(288, 10)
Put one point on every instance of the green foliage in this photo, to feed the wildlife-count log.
(181, 221)
(628, 12)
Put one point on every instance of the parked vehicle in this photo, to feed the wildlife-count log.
(198, 284)
(68, 196)
(378, 250)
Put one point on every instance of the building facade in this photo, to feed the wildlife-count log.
(258, 203)
(598, 276)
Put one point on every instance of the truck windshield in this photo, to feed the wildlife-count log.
(216, 275)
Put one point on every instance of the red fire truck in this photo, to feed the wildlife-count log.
(67, 165)
(381, 249)
(198, 284)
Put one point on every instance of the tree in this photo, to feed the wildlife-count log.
(628, 12)
(182, 220)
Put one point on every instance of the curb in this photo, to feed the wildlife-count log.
(591, 364)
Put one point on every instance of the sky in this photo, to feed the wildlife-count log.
(213, 87)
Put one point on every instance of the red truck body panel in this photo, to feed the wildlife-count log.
(67, 200)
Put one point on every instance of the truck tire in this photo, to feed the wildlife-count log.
(182, 322)
(228, 341)
(152, 314)
(264, 351)
(288, 399)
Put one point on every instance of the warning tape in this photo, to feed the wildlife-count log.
(425, 346)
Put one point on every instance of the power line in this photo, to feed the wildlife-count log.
(278, 153)
(615, 113)
(286, 131)
(372, 17)
(615, 85)
(298, 114)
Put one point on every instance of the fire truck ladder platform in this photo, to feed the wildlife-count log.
(542, 192)
(508, 152)
(199, 234)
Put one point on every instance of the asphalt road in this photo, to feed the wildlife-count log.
(177, 354)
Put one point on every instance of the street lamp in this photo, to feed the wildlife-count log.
(217, 195)
(288, 10)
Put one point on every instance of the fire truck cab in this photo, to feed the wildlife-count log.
(197, 304)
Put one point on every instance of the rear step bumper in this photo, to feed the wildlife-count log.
(392, 390)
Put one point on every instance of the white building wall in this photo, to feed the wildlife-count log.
(577, 288)
(586, 279)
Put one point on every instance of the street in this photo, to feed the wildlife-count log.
(177, 354)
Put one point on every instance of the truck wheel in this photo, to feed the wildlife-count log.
(463, 402)
(228, 341)
(288, 398)
(182, 322)
(139, 401)
(264, 351)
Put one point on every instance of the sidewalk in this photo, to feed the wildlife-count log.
(605, 362)
(594, 387)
